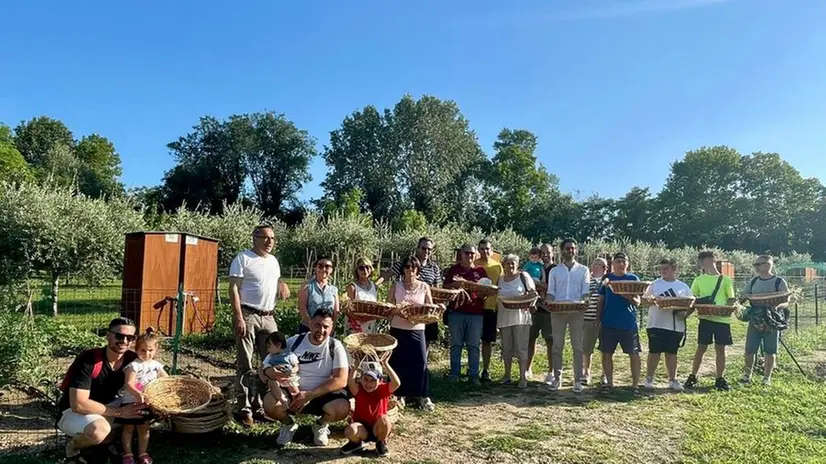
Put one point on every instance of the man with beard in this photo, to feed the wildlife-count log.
(541, 319)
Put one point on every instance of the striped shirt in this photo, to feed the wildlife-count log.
(430, 274)
(593, 289)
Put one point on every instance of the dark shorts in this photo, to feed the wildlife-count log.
(541, 324)
(609, 338)
(489, 326)
(664, 341)
(371, 437)
(316, 406)
(431, 332)
(717, 333)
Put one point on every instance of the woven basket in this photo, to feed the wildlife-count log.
(674, 303)
(374, 346)
(519, 302)
(715, 310)
(628, 287)
(481, 290)
(369, 310)
(422, 314)
(770, 299)
(566, 306)
(176, 394)
(211, 418)
(444, 295)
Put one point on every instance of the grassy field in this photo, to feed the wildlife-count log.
(784, 422)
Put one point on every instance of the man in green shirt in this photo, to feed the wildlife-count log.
(712, 329)
(494, 269)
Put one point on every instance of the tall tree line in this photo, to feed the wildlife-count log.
(420, 162)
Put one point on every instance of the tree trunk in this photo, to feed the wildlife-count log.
(55, 286)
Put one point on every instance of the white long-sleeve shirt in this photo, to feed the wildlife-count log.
(569, 285)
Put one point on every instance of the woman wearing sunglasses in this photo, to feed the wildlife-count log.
(318, 293)
(362, 289)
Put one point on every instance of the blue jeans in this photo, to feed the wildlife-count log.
(754, 337)
(465, 331)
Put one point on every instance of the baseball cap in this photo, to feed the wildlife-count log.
(620, 255)
(372, 369)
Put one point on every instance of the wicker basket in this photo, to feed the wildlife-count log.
(211, 418)
(481, 290)
(369, 345)
(769, 299)
(674, 303)
(566, 306)
(422, 314)
(444, 295)
(628, 287)
(176, 394)
(520, 303)
(369, 310)
(715, 310)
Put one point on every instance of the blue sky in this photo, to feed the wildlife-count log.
(614, 89)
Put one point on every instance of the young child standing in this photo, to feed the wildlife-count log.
(534, 266)
(369, 421)
(281, 368)
(138, 374)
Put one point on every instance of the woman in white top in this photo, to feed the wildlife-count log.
(362, 289)
(514, 324)
(409, 359)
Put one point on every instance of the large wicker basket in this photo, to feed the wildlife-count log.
(422, 314)
(519, 303)
(444, 295)
(566, 306)
(481, 290)
(715, 310)
(628, 287)
(369, 310)
(674, 303)
(211, 418)
(769, 299)
(369, 345)
(176, 394)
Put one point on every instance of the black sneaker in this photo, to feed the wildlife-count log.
(486, 376)
(690, 382)
(721, 384)
(381, 448)
(351, 447)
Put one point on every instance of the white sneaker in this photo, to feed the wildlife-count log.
(286, 434)
(675, 385)
(577, 387)
(585, 380)
(321, 434)
(767, 381)
(555, 384)
(549, 379)
(649, 383)
(529, 374)
(745, 380)
(428, 405)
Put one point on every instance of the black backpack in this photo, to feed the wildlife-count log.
(768, 319)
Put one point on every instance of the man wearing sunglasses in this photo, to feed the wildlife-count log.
(254, 288)
(430, 274)
(89, 403)
(465, 320)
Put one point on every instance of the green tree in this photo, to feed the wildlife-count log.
(634, 217)
(13, 167)
(36, 137)
(593, 219)
(59, 167)
(420, 155)
(101, 169)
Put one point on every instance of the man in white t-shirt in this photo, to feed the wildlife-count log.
(666, 328)
(323, 371)
(253, 290)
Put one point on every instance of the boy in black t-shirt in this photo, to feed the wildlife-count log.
(89, 402)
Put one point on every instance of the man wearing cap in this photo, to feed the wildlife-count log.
(253, 291)
(568, 281)
(465, 320)
(618, 323)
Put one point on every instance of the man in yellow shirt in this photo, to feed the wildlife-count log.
(719, 290)
(494, 269)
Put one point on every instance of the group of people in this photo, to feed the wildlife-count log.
(279, 376)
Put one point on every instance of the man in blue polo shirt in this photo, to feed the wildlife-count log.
(618, 321)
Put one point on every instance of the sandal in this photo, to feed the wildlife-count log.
(128, 459)
(145, 459)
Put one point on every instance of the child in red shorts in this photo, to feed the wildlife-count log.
(369, 421)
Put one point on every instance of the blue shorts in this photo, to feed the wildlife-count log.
(769, 340)
(609, 338)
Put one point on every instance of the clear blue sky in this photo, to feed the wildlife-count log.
(614, 89)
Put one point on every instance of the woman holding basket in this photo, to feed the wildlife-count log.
(514, 322)
(409, 359)
(362, 289)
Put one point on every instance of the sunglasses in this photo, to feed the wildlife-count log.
(469, 253)
(758, 264)
(121, 337)
(325, 266)
(411, 266)
(363, 268)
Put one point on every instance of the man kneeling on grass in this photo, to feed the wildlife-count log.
(323, 365)
(666, 328)
(372, 394)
